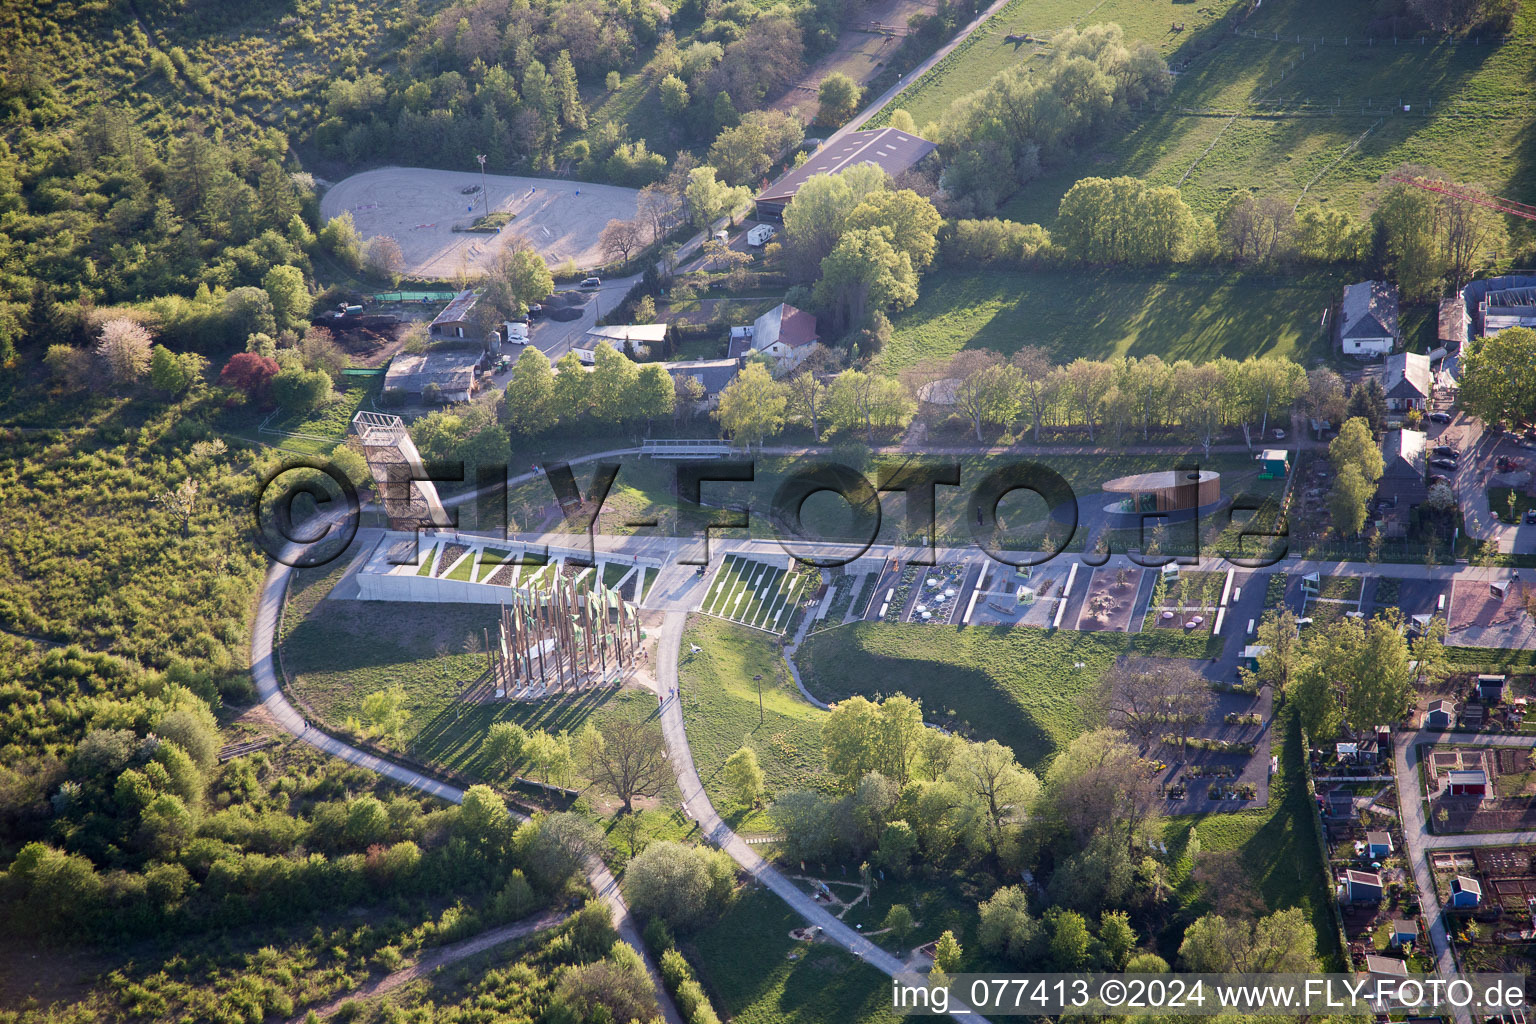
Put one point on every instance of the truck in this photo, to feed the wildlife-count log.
(758, 236)
(350, 317)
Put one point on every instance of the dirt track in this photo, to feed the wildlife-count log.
(419, 208)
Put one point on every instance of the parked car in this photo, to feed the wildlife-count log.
(1440, 417)
(1530, 516)
(592, 282)
(1443, 463)
(1444, 451)
(534, 309)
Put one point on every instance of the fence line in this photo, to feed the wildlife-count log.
(1347, 150)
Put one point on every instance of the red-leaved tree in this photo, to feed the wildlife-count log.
(250, 373)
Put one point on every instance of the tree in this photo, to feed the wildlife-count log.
(1123, 220)
(911, 219)
(556, 846)
(384, 258)
(815, 221)
(123, 346)
(529, 403)
(1145, 697)
(573, 389)
(1283, 942)
(297, 390)
(1497, 377)
(611, 385)
(653, 393)
(173, 373)
(837, 99)
(1368, 402)
(985, 388)
(862, 274)
(1347, 501)
(527, 276)
(682, 885)
(181, 503)
(383, 713)
(898, 921)
(752, 406)
(504, 744)
(1404, 223)
(1069, 939)
(1096, 783)
(630, 762)
(674, 95)
(1356, 447)
(947, 956)
(319, 351)
(743, 777)
(340, 236)
(1226, 885)
(1005, 792)
(1277, 634)
(1325, 395)
(1467, 228)
(1007, 927)
(249, 373)
(1086, 381)
(616, 988)
(807, 393)
(1117, 935)
(549, 755)
(620, 239)
(898, 845)
(290, 298)
(709, 199)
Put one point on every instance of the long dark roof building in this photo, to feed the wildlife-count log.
(892, 150)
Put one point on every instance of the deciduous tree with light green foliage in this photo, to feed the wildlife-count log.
(1498, 376)
(862, 274)
(1347, 500)
(709, 199)
(815, 221)
(752, 406)
(682, 885)
(612, 385)
(526, 274)
(911, 219)
(174, 373)
(1283, 942)
(947, 956)
(1354, 446)
(528, 406)
(743, 776)
(837, 99)
(290, 298)
(1125, 221)
(504, 744)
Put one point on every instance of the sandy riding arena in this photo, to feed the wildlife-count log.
(419, 209)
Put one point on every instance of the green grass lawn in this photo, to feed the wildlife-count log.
(1277, 843)
(337, 652)
(754, 594)
(464, 570)
(987, 51)
(1509, 511)
(1470, 102)
(1196, 314)
(744, 960)
(720, 706)
(1017, 686)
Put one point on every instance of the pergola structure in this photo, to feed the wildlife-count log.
(562, 639)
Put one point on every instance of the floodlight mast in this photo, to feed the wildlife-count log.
(485, 192)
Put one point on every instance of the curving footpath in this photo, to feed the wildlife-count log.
(697, 805)
(263, 670)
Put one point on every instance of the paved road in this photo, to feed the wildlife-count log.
(697, 805)
(264, 671)
(916, 73)
(1419, 841)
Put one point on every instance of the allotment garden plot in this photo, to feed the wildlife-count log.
(754, 594)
